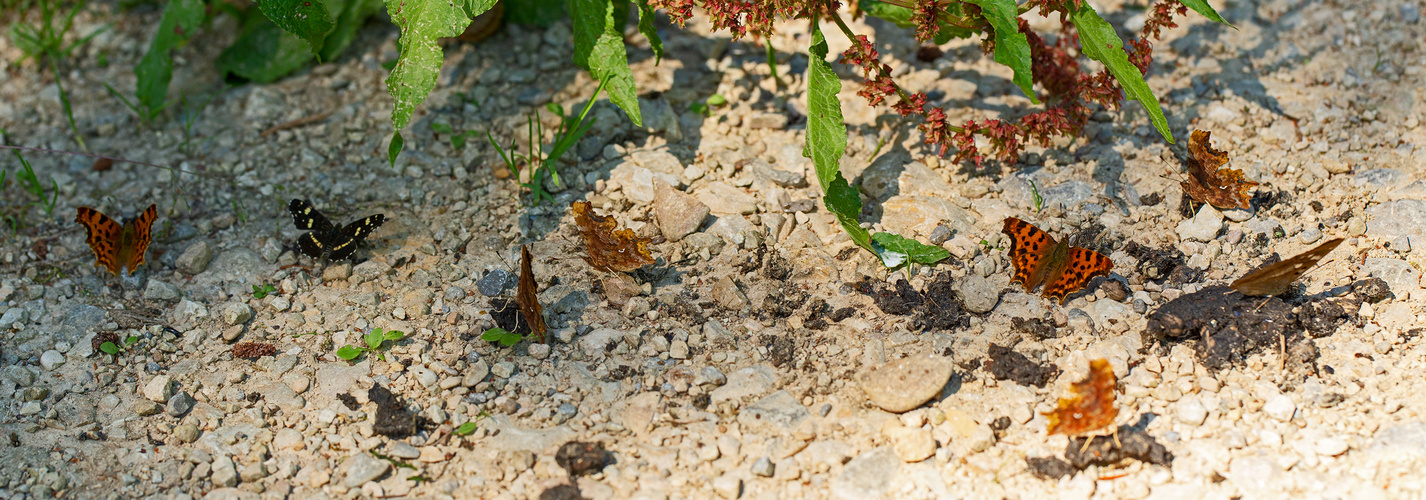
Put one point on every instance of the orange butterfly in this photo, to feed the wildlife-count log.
(116, 247)
(1040, 260)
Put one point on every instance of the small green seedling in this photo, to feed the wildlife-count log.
(457, 137)
(374, 340)
(262, 291)
(542, 158)
(706, 106)
(1035, 195)
(114, 350)
(504, 337)
(469, 427)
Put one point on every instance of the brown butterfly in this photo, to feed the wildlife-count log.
(526, 297)
(1040, 260)
(1207, 183)
(1273, 279)
(608, 247)
(1091, 405)
(117, 248)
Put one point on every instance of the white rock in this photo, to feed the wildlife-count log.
(1190, 410)
(911, 444)
(1202, 227)
(51, 359)
(1330, 447)
(728, 486)
(236, 313)
(159, 389)
(1280, 407)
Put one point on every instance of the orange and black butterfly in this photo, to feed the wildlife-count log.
(118, 248)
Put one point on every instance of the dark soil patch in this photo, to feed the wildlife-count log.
(562, 492)
(1102, 451)
(780, 349)
(1226, 327)
(506, 314)
(349, 401)
(1154, 263)
(580, 457)
(1034, 328)
(938, 308)
(1006, 364)
(392, 417)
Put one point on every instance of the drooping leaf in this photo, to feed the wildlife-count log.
(599, 48)
(352, 14)
(646, 26)
(826, 132)
(155, 70)
(394, 148)
(1011, 47)
(264, 52)
(308, 19)
(901, 17)
(1205, 10)
(1099, 42)
(418, 64)
(916, 251)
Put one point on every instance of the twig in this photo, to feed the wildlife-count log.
(297, 123)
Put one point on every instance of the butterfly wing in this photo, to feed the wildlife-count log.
(1030, 248)
(1081, 265)
(137, 234)
(310, 245)
(1208, 182)
(307, 218)
(1091, 405)
(1274, 279)
(527, 298)
(103, 237)
(344, 239)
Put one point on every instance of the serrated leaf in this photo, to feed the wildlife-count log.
(1205, 10)
(826, 132)
(348, 352)
(155, 70)
(352, 14)
(599, 49)
(1011, 47)
(422, 22)
(1099, 42)
(918, 252)
(264, 52)
(308, 19)
(394, 148)
(646, 26)
(901, 17)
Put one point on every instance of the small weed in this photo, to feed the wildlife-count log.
(504, 337)
(705, 107)
(1035, 195)
(571, 130)
(114, 350)
(262, 291)
(374, 341)
(45, 42)
(467, 428)
(457, 137)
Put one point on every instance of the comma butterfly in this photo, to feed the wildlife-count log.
(609, 248)
(116, 247)
(526, 296)
(1273, 279)
(1207, 183)
(1091, 405)
(1040, 260)
(335, 240)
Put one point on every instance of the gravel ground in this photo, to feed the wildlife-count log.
(762, 356)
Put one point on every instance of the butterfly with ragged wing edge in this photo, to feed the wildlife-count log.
(323, 237)
(1040, 260)
(117, 247)
(1274, 279)
(1208, 182)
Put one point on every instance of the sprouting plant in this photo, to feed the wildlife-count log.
(1035, 195)
(374, 341)
(114, 350)
(44, 42)
(706, 106)
(262, 291)
(27, 179)
(467, 428)
(457, 137)
(541, 160)
(504, 337)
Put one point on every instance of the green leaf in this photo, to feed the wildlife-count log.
(131, 340)
(826, 132)
(1205, 10)
(395, 147)
(918, 252)
(308, 19)
(110, 348)
(352, 14)
(1011, 47)
(155, 70)
(374, 338)
(599, 49)
(465, 429)
(901, 17)
(540, 13)
(716, 100)
(494, 334)
(394, 335)
(422, 22)
(441, 128)
(844, 203)
(264, 52)
(646, 26)
(1099, 42)
(348, 352)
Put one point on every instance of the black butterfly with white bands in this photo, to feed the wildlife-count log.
(323, 237)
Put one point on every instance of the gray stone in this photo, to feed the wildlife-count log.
(866, 476)
(495, 282)
(1398, 274)
(1190, 410)
(195, 258)
(186, 433)
(226, 477)
(236, 313)
(728, 295)
(180, 404)
(710, 375)
(402, 449)
(1067, 194)
(657, 160)
(188, 312)
(475, 374)
(1379, 177)
(903, 384)
(763, 467)
(722, 198)
(678, 213)
(596, 342)
(503, 369)
(734, 229)
(1202, 227)
(373, 269)
(510, 437)
(1410, 13)
(1402, 244)
(337, 271)
(922, 214)
(746, 383)
(977, 292)
(1394, 219)
(539, 351)
(159, 389)
(637, 183)
(231, 494)
(777, 411)
(1399, 442)
(1262, 226)
(705, 241)
(678, 349)
(774, 121)
(253, 472)
(14, 315)
(336, 378)
(362, 468)
(144, 407)
(51, 359)
(161, 290)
